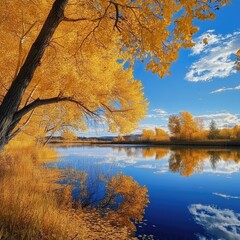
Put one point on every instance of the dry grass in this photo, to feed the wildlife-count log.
(30, 208)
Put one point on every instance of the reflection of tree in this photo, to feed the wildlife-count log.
(119, 198)
(231, 155)
(189, 161)
(127, 198)
(145, 152)
(158, 153)
(214, 158)
(186, 161)
(161, 152)
(174, 162)
(130, 151)
(148, 152)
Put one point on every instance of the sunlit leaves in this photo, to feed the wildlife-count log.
(184, 126)
(91, 55)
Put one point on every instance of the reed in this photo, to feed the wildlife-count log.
(31, 205)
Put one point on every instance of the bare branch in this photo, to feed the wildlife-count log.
(67, 19)
(117, 17)
(20, 47)
(30, 95)
(22, 126)
(95, 27)
(116, 110)
(122, 5)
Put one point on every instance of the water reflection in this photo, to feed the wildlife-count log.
(186, 161)
(118, 198)
(209, 195)
(218, 223)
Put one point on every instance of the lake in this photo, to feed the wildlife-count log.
(194, 193)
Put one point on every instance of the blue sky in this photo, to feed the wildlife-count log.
(203, 80)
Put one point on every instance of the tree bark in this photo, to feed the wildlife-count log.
(13, 98)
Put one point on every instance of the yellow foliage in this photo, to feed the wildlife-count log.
(148, 134)
(32, 206)
(184, 126)
(87, 66)
(68, 135)
(135, 199)
(158, 153)
(190, 161)
(160, 134)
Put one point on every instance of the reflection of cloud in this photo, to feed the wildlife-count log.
(130, 156)
(226, 196)
(147, 166)
(224, 89)
(222, 167)
(215, 56)
(219, 223)
(200, 237)
(163, 170)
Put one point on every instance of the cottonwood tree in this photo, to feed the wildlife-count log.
(161, 134)
(77, 57)
(148, 134)
(185, 126)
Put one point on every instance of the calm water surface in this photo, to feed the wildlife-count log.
(194, 193)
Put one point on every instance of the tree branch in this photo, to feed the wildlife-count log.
(11, 102)
(40, 102)
(117, 16)
(67, 19)
(21, 127)
(115, 110)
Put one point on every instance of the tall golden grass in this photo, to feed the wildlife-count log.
(30, 207)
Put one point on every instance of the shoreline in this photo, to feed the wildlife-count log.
(206, 143)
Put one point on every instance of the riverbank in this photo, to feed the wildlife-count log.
(34, 206)
(204, 143)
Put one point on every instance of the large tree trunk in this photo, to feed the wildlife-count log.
(13, 98)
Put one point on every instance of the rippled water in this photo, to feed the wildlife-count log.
(194, 193)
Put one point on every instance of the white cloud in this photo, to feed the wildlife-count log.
(224, 89)
(160, 118)
(222, 119)
(214, 57)
(200, 46)
(219, 223)
(158, 113)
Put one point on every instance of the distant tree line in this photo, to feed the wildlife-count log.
(184, 126)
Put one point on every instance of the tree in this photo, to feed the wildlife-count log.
(160, 134)
(184, 126)
(235, 132)
(174, 125)
(76, 57)
(213, 130)
(188, 126)
(148, 134)
(68, 135)
(225, 133)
